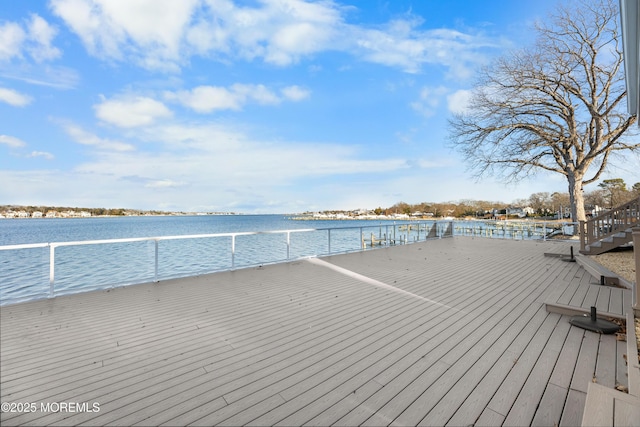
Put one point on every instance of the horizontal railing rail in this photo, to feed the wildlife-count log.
(384, 235)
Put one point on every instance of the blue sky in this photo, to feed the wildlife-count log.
(267, 106)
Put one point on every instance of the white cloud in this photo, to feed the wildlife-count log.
(402, 44)
(102, 144)
(295, 93)
(163, 34)
(290, 42)
(163, 183)
(131, 111)
(42, 34)
(26, 52)
(205, 99)
(147, 31)
(12, 36)
(209, 159)
(44, 154)
(458, 102)
(12, 141)
(14, 98)
(36, 40)
(429, 100)
(257, 93)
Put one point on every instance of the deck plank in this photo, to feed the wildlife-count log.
(602, 302)
(458, 334)
(615, 302)
(527, 403)
(606, 364)
(585, 367)
(622, 377)
(573, 409)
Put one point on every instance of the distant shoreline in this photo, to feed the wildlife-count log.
(54, 213)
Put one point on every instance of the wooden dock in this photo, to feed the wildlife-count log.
(445, 332)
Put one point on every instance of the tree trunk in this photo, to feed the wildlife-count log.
(576, 198)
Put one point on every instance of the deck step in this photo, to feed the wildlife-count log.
(609, 243)
(600, 403)
(598, 271)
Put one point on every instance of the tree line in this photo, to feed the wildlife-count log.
(93, 211)
(610, 193)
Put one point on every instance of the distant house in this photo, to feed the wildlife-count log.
(52, 214)
(36, 214)
(400, 216)
(520, 212)
(593, 210)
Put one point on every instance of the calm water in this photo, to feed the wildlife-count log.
(24, 273)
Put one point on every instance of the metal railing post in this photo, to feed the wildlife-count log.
(329, 238)
(288, 243)
(233, 251)
(155, 274)
(52, 269)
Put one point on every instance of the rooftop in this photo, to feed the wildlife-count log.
(451, 331)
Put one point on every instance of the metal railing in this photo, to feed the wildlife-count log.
(515, 229)
(337, 240)
(400, 233)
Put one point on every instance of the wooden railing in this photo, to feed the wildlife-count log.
(609, 223)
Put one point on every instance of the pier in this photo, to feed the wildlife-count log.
(451, 331)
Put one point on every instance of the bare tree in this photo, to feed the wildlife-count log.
(557, 106)
(616, 189)
(541, 202)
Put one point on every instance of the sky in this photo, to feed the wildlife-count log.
(264, 106)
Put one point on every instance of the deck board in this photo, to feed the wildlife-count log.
(448, 331)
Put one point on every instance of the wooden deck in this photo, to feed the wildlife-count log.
(445, 332)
